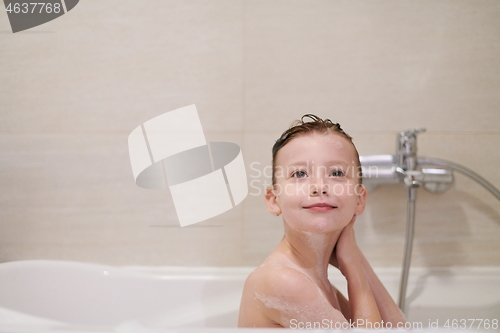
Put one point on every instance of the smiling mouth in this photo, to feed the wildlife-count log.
(320, 207)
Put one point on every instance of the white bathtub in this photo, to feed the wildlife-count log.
(39, 296)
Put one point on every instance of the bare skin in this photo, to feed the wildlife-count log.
(319, 196)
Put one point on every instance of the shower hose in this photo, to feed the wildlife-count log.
(410, 222)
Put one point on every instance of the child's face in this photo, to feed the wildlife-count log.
(317, 188)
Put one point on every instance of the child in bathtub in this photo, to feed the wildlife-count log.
(317, 189)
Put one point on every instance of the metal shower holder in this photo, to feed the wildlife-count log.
(435, 175)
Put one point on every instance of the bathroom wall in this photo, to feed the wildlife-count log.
(74, 88)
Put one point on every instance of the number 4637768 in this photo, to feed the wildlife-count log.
(471, 324)
(33, 8)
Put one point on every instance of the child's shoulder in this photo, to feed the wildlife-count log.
(272, 292)
(277, 277)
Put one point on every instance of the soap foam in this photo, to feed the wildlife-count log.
(302, 311)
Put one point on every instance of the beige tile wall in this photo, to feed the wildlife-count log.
(74, 88)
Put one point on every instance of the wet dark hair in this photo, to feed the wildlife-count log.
(317, 125)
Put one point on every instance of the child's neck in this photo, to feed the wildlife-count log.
(310, 251)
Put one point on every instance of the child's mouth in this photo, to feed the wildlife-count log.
(320, 207)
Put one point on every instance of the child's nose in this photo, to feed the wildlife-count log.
(318, 187)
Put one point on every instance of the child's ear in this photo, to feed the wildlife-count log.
(361, 201)
(271, 201)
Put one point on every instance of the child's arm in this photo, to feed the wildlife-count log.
(388, 309)
(362, 301)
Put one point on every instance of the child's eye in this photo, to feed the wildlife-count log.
(338, 173)
(299, 174)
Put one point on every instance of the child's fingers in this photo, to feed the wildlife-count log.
(346, 238)
(346, 244)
